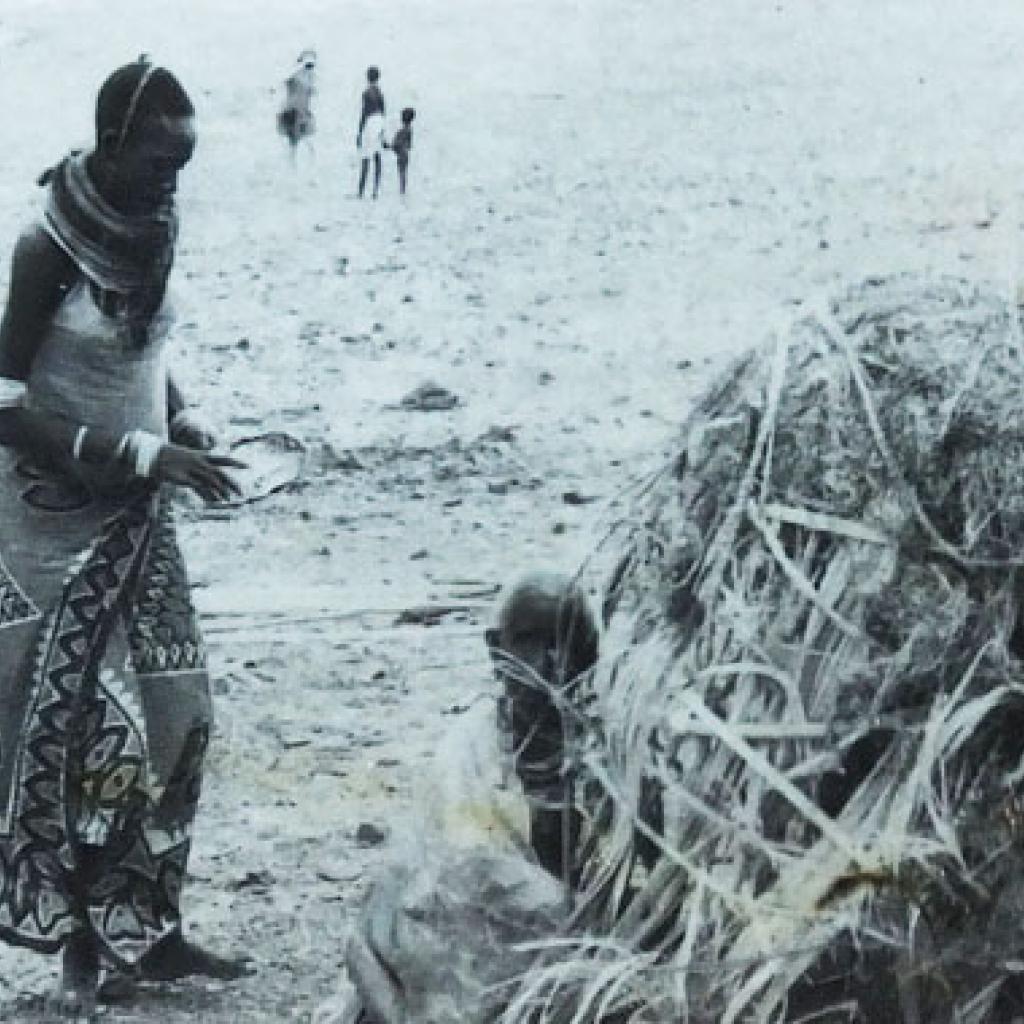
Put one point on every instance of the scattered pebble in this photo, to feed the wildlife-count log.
(503, 435)
(253, 880)
(369, 834)
(575, 498)
(430, 397)
(343, 460)
(427, 615)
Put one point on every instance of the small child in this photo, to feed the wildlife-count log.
(401, 144)
(545, 640)
(371, 121)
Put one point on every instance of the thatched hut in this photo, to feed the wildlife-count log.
(810, 692)
(799, 757)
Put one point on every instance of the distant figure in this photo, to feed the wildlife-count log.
(401, 144)
(295, 120)
(371, 124)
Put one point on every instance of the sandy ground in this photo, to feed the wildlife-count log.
(606, 200)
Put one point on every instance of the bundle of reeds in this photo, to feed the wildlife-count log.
(803, 754)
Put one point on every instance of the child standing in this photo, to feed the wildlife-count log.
(371, 122)
(401, 144)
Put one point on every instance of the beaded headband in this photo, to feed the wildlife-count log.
(133, 103)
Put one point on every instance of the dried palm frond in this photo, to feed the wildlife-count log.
(804, 743)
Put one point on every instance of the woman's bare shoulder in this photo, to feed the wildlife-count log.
(41, 273)
(36, 251)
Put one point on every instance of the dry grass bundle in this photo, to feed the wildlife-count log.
(805, 746)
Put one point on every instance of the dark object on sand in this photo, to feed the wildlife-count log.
(430, 397)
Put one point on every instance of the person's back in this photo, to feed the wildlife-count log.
(373, 101)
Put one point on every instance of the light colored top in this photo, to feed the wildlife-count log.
(89, 370)
(300, 88)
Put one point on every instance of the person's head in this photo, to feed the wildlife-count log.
(546, 624)
(145, 135)
(307, 59)
(372, 74)
(407, 115)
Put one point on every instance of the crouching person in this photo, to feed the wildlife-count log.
(449, 923)
(545, 640)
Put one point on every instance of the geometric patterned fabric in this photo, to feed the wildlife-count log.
(14, 605)
(105, 716)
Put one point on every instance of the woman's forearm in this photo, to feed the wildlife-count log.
(184, 427)
(175, 399)
(50, 435)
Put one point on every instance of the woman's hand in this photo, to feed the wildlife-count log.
(191, 431)
(198, 471)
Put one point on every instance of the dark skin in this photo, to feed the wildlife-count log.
(365, 165)
(364, 171)
(544, 627)
(135, 178)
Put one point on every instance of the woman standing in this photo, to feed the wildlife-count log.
(295, 120)
(105, 708)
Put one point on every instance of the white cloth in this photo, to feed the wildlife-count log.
(373, 136)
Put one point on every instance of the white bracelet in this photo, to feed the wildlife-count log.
(144, 448)
(146, 451)
(12, 392)
(76, 448)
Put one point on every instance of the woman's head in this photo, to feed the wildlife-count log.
(144, 136)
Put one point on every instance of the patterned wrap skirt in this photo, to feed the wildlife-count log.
(105, 715)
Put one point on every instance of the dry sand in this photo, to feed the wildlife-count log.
(606, 200)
